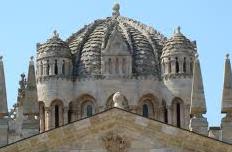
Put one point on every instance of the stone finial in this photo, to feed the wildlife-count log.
(227, 56)
(118, 100)
(31, 60)
(116, 9)
(55, 33)
(177, 31)
(227, 87)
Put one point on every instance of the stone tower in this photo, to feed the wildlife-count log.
(198, 107)
(3, 108)
(30, 125)
(177, 66)
(226, 123)
(54, 81)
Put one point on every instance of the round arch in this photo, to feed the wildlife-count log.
(177, 107)
(148, 106)
(57, 113)
(84, 106)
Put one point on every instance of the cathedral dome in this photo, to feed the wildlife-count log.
(143, 42)
(54, 47)
(178, 44)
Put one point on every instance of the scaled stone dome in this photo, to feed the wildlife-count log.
(53, 47)
(178, 44)
(145, 45)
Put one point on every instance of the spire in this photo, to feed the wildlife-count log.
(30, 105)
(3, 99)
(198, 105)
(227, 87)
(116, 9)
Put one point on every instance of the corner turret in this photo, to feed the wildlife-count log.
(177, 65)
(53, 59)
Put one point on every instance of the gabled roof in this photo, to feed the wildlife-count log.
(116, 128)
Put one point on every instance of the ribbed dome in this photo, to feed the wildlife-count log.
(144, 42)
(54, 47)
(178, 43)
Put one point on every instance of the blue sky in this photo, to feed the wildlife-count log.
(26, 22)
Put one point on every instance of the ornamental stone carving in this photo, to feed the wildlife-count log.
(118, 100)
(115, 143)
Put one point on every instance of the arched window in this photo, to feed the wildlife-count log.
(56, 68)
(184, 65)
(110, 66)
(87, 105)
(177, 112)
(117, 66)
(57, 116)
(123, 65)
(89, 110)
(145, 111)
(177, 65)
(63, 67)
(48, 68)
(169, 65)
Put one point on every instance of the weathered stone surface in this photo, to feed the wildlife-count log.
(118, 127)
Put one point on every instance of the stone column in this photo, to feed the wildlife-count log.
(52, 67)
(42, 125)
(188, 65)
(45, 69)
(113, 68)
(48, 118)
(66, 68)
(173, 66)
(66, 115)
(181, 62)
(59, 64)
(169, 114)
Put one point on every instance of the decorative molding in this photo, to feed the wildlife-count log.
(115, 143)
